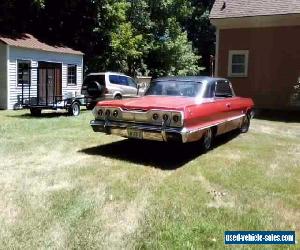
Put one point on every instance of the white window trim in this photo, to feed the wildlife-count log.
(238, 52)
(17, 66)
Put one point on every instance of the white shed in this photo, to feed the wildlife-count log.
(20, 60)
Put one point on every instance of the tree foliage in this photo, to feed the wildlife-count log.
(156, 37)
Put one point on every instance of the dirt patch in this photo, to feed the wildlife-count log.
(220, 198)
(9, 213)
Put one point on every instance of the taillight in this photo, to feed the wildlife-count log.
(100, 112)
(176, 118)
(106, 91)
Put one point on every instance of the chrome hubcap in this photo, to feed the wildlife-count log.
(207, 138)
(75, 110)
(245, 123)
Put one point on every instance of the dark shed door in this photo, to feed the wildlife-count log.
(49, 82)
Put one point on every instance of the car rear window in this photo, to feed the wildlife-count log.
(175, 88)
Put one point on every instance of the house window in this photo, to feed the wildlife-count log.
(72, 70)
(238, 63)
(23, 72)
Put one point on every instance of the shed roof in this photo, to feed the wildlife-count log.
(30, 42)
(250, 8)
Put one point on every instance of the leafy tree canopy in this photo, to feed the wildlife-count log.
(155, 37)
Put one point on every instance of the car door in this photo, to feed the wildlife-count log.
(125, 89)
(114, 86)
(224, 96)
(132, 87)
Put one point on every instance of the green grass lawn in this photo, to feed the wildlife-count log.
(64, 186)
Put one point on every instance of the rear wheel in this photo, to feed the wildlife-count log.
(35, 111)
(246, 124)
(74, 109)
(207, 140)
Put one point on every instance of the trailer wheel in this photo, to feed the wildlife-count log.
(35, 111)
(74, 109)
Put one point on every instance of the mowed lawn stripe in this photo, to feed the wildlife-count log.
(64, 186)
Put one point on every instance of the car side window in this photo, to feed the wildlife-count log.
(210, 91)
(223, 89)
(131, 82)
(114, 79)
(123, 80)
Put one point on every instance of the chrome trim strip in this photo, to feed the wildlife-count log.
(134, 126)
(218, 123)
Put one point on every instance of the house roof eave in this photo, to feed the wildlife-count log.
(256, 21)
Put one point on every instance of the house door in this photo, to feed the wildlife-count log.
(49, 82)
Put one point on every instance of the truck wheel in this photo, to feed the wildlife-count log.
(35, 111)
(207, 140)
(245, 125)
(74, 109)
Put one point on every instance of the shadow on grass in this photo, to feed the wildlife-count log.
(278, 115)
(45, 115)
(166, 156)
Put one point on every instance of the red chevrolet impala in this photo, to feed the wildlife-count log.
(184, 109)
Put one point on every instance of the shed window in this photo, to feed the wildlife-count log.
(238, 63)
(24, 72)
(72, 71)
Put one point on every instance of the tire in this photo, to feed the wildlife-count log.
(74, 109)
(95, 89)
(207, 140)
(35, 111)
(118, 97)
(245, 125)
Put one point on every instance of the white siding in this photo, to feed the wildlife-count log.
(3, 76)
(71, 88)
(35, 56)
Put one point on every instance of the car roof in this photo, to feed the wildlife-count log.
(108, 72)
(190, 78)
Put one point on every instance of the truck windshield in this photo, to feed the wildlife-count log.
(175, 88)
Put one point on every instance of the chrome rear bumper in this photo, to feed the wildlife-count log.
(148, 132)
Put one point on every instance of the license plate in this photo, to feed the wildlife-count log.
(134, 133)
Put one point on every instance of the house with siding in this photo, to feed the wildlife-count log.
(25, 60)
(257, 48)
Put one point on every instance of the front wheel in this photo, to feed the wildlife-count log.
(74, 109)
(246, 124)
(207, 140)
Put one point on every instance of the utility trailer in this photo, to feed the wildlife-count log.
(47, 93)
